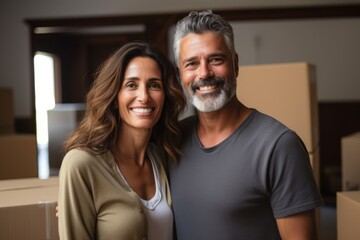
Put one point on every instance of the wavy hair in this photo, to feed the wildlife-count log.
(201, 22)
(97, 132)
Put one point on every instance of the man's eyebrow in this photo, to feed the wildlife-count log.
(208, 56)
(217, 55)
(189, 59)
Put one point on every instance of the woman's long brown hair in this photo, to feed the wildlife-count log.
(97, 131)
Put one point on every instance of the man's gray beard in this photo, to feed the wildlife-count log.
(214, 101)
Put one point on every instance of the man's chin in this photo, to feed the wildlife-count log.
(207, 106)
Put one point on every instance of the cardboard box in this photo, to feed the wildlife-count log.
(7, 122)
(315, 163)
(29, 213)
(350, 161)
(62, 120)
(286, 92)
(348, 215)
(18, 156)
(26, 183)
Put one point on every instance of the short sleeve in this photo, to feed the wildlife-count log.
(291, 181)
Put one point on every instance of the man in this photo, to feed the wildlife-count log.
(242, 174)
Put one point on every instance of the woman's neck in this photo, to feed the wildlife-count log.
(131, 145)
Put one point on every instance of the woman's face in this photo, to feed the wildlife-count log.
(141, 96)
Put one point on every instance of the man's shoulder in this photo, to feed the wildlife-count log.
(265, 120)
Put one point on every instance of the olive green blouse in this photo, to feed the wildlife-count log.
(96, 203)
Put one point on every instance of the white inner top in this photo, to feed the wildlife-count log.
(159, 214)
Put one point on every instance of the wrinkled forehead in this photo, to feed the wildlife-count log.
(208, 43)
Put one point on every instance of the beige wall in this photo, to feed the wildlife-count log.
(15, 43)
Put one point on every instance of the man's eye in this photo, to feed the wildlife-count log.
(191, 65)
(216, 60)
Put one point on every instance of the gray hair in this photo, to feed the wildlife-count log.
(200, 22)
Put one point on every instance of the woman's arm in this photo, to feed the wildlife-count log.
(76, 212)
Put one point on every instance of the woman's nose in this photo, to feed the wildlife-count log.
(143, 95)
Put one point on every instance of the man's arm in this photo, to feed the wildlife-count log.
(301, 226)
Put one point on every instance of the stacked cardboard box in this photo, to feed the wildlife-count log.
(348, 215)
(27, 183)
(63, 119)
(27, 203)
(350, 162)
(18, 152)
(7, 114)
(286, 92)
(27, 209)
(18, 156)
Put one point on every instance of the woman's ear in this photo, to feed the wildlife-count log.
(114, 105)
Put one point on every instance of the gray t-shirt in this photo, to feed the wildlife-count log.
(237, 189)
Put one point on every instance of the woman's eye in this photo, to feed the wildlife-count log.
(131, 85)
(155, 85)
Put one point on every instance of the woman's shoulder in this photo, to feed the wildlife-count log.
(78, 157)
(78, 153)
(83, 165)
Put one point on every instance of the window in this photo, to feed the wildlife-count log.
(44, 70)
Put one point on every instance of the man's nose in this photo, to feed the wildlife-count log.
(204, 71)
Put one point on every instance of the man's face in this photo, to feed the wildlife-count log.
(207, 70)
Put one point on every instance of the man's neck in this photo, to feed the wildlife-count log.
(214, 127)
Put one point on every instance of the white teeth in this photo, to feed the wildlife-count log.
(142, 110)
(208, 87)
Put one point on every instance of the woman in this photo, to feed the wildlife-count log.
(112, 181)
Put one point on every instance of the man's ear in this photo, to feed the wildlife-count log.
(236, 64)
(178, 74)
